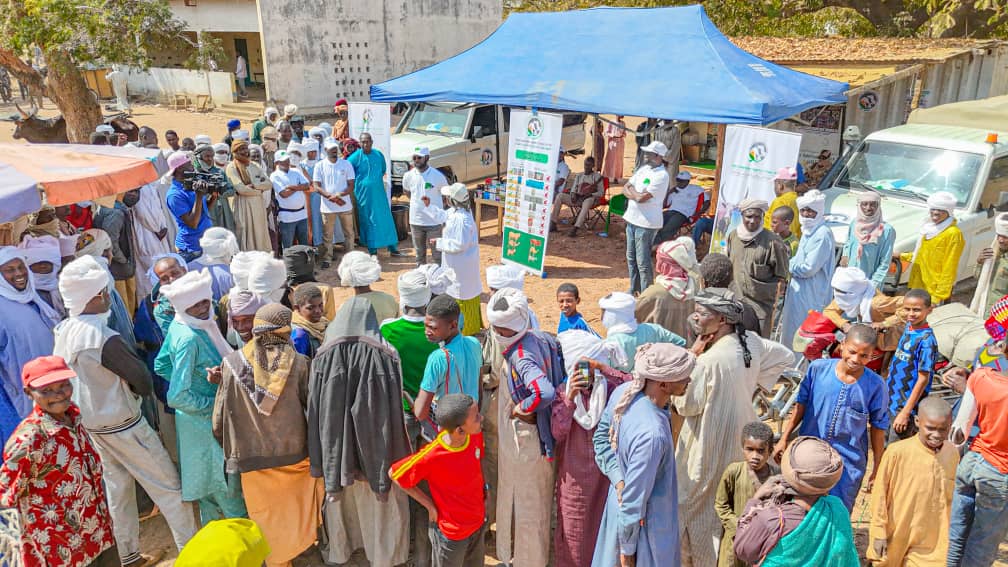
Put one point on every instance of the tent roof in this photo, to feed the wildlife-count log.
(660, 62)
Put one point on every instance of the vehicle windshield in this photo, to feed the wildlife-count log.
(914, 172)
(438, 119)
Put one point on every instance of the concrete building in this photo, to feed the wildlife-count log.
(313, 52)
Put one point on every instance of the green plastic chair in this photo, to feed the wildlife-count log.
(617, 206)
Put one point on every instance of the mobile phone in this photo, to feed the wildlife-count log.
(584, 370)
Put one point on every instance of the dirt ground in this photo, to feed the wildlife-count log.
(597, 265)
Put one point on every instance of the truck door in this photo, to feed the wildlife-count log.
(481, 157)
(978, 227)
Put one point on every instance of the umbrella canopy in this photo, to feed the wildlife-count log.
(69, 173)
(662, 62)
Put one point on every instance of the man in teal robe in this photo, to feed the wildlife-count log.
(374, 212)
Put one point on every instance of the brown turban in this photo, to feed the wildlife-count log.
(811, 466)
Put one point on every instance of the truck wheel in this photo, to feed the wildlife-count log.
(447, 172)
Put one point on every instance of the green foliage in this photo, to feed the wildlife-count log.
(98, 31)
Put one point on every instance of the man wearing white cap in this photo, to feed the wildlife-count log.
(645, 192)
(991, 270)
(562, 173)
(423, 185)
(311, 147)
(26, 325)
(334, 181)
(193, 347)
(460, 249)
(683, 205)
(111, 381)
(935, 260)
(290, 187)
(811, 267)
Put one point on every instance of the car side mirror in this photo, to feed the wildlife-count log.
(477, 132)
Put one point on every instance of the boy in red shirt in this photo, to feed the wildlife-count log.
(451, 466)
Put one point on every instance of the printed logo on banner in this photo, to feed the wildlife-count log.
(758, 152)
(366, 119)
(534, 128)
(868, 101)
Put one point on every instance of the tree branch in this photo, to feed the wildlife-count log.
(22, 71)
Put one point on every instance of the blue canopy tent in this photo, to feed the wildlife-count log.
(663, 63)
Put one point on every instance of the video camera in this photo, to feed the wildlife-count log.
(211, 182)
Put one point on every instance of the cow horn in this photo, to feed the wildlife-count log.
(23, 113)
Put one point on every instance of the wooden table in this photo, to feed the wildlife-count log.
(499, 205)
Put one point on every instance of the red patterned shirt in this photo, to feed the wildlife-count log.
(52, 475)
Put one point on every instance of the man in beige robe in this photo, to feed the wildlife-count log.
(717, 405)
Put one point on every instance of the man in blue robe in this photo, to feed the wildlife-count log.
(374, 212)
(25, 332)
(640, 525)
(811, 267)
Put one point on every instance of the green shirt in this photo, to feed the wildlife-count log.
(408, 338)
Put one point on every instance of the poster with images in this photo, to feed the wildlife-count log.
(533, 151)
(752, 157)
(375, 119)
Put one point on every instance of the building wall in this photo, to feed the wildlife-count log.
(162, 84)
(218, 15)
(320, 51)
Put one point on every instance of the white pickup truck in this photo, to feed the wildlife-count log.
(945, 148)
(465, 140)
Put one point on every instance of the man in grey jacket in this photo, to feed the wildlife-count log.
(111, 380)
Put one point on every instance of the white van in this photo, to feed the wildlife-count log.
(463, 139)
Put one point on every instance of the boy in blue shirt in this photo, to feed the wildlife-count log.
(568, 297)
(912, 366)
(455, 367)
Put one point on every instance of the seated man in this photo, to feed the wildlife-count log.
(582, 190)
(683, 205)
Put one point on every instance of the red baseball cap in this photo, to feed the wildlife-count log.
(45, 370)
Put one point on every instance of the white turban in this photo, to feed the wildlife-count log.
(358, 269)
(942, 200)
(309, 145)
(577, 345)
(80, 281)
(815, 200)
(290, 110)
(44, 248)
(438, 278)
(201, 139)
(219, 246)
(28, 294)
(1001, 224)
(618, 312)
(68, 244)
(853, 292)
(413, 289)
(270, 111)
(316, 131)
(268, 279)
(240, 135)
(500, 276)
(104, 129)
(242, 262)
(189, 290)
(327, 127)
(93, 242)
(508, 308)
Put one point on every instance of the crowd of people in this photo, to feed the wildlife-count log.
(172, 349)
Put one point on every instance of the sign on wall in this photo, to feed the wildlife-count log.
(533, 151)
(752, 157)
(375, 119)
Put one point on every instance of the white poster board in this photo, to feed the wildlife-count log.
(752, 157)
(533, 152)
(375, 118)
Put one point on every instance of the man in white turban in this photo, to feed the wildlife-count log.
(268, 279)
(525, 491)
(43, 256)
(219, 247)
(991, 270)
(759, 262)
(811, 267)
(359, 270)
(857, 300)
(935, 260)
(620, 320)
(192, 349)
(110, 385)
(870, 240)
(25, 328)
(96, 243)
(500, 276)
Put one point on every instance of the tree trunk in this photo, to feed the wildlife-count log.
(69, 91)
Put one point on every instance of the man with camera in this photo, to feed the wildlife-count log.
(187, 201)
